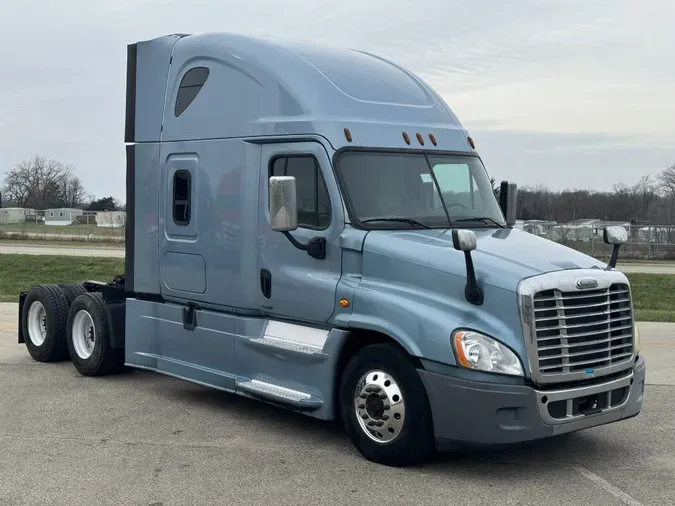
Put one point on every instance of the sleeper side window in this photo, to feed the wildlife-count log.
(182, 188)
(190, 86)
(312, 193)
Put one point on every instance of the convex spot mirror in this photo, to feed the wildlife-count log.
(615, 235)
(283, 204)
(463, 240)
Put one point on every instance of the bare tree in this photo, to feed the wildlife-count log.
(41, 183)
(72, 191)
(667, 180)
(650, 199)
(667, 192)
(644, 195)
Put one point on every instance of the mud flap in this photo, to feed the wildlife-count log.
(22, 299)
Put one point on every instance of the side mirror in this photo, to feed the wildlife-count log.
(507, 202)
(465, 240)
(616, 236)
(283, 204)
(284, 215)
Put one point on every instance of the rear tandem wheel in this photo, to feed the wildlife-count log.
(43, 323)
(88, 337)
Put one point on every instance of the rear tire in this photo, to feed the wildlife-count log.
(384, 407)
(88, 337)
(43, 323)
(72, 291)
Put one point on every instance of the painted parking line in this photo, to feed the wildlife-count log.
(608, 487)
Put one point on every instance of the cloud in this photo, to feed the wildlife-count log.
(570, 85)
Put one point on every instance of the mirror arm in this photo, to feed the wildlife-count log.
(614, 257)
(472, 291)
(316, 247)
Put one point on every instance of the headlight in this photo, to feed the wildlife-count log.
(636, 339)
(479, 352)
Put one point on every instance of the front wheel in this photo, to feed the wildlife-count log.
(385, 408)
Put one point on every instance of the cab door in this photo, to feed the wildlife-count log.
(293, 284)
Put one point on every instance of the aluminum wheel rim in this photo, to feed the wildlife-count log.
(37, 323)
(84, 334)
(379, 406)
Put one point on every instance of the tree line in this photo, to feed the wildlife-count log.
(650, 200)
(43, 183)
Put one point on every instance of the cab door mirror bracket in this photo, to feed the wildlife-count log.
(284, 215)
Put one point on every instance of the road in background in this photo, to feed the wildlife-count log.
(49, 249)
(647, 268)
(143, 438)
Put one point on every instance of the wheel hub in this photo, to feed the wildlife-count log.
(375, 406)
(379, 406)
(37, 323)
(83, 334)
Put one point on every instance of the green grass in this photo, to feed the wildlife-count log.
(20, 272)
(38, 228)
(653, 294)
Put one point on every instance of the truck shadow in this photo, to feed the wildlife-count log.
(503, 461)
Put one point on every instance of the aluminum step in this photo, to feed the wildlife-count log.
(278, 393)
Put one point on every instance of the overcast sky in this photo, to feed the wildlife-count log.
(568, 93)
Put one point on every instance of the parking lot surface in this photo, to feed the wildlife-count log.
(143, 439)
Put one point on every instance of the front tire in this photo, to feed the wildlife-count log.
(88, 337)
(384, 407)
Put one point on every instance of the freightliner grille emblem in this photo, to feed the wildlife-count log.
(586, 283)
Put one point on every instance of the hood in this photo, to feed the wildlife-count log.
(502, 257)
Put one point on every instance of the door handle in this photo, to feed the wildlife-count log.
(266, 283)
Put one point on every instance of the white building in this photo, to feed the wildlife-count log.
(111, 219)
(62, 216)
(14, 215)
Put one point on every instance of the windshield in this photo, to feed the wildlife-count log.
(417, 190)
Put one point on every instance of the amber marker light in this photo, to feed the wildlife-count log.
(348, 135)
(433, 139)
(406, 138)
(461, 357)
(420, 139)
(471, 143)
(344, 303)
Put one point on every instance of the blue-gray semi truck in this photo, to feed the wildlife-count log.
(314, 228)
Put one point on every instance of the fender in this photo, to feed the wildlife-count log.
(422, 320)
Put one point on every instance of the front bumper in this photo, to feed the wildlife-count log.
(487, 413)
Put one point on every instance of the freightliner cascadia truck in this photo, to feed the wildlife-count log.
(314, 228)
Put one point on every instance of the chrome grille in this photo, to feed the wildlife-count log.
(583, 330)
(577, 324)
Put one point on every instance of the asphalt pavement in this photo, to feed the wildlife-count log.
(140, 438)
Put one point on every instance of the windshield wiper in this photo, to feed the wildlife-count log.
(410, 221)
(484, 219)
